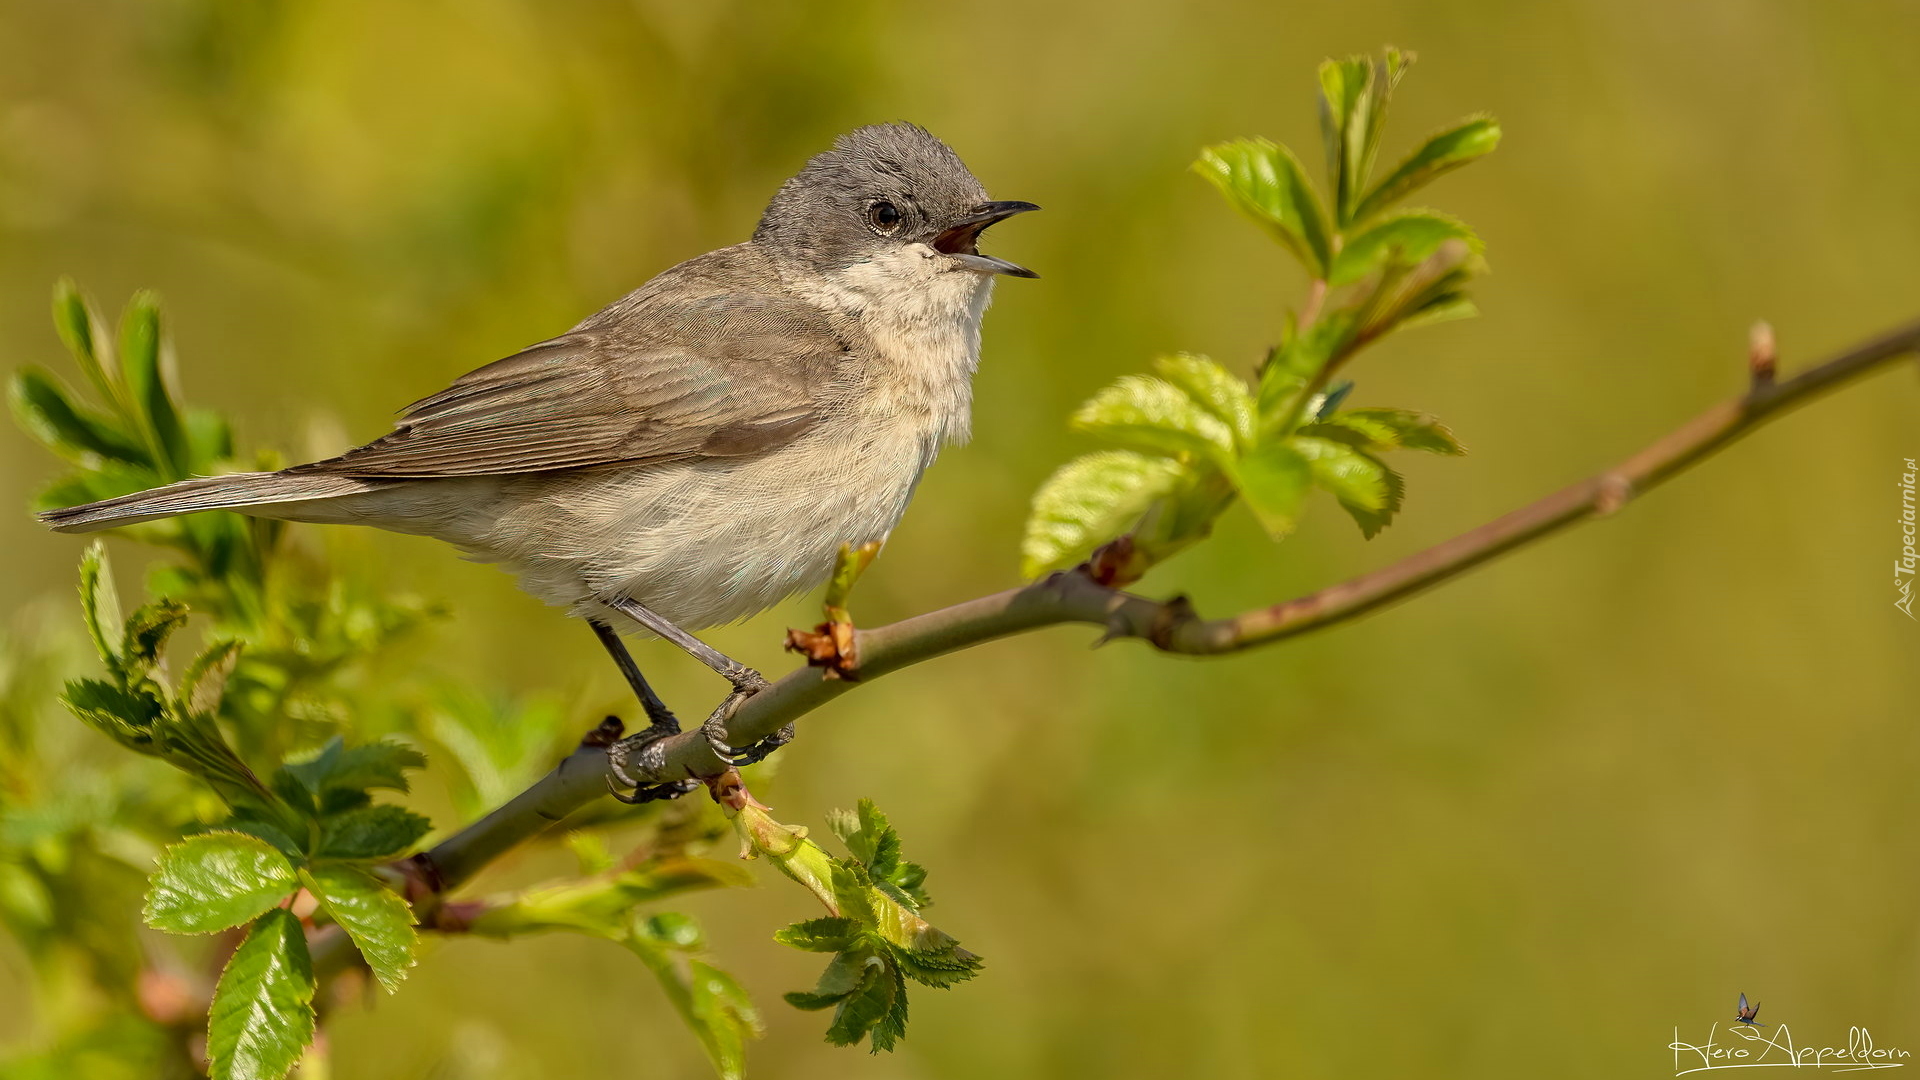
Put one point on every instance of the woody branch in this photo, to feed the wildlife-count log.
(1172, 625)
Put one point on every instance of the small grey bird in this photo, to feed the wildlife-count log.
(703, 447)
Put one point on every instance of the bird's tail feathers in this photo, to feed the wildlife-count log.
(237, 491)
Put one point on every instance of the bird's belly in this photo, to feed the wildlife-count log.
(703, 542)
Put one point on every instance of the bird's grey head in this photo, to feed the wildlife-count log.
(881, 191)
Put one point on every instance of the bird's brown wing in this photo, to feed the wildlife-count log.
(719, 376)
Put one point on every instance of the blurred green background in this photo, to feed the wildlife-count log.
(1523, 826)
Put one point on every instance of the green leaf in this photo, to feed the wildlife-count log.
(1354, 94)
(1145, 413)
(1265, 182)
(146, 383)
(262, 1015)
(1364, 486)
(374, 916)
(812, 1001)
(371, 832)
(1345, 98)
(98, 604)
(216, 880)
(205, 680)
(1222, 393)
(829, 934)
(710, 1001)
(1404, 239)
(125, 716)
(1091, 500)
(146, 634)
(80, 331)
(868, 1008)
(937, 968)
(1273, 479)
(722, 1017)
(379, 764)
(45, 411)
(1441, 154)
(1388, 429)
(876, 844)
(271, 832)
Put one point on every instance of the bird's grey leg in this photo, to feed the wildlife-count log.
(746, 683)
(660, 723)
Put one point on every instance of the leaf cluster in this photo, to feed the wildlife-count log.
(874, 929)
(312, 826)
(1193, 437)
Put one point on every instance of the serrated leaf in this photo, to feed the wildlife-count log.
(1145, 413)
(44, 409)
(215, 881)
(867, 1007)
(146, 382)
(1365, 487)
(1450, 307)
(1222, 393)
(1266, 182)
(374, 916)
(80, 331)
(1274, 479)
(812, 1001)
(98, 604)
(205, 679)
(939, 970)
(125, 716)
(146, 634)
(1388, 429)
(1404, 238)
(852, 889)
(262, 1015)
(827, 934)
(1440, 154)
(1091, 500)
(268, 831)
(379, 764)
(1345, 100)
(371, 832)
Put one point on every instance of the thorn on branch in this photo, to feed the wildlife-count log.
(1763, 357)
(1171, 615)
(1116, 563)
(1615, 491)
(830, 646)
(605, 734)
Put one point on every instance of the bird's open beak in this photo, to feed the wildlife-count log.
(960, 240)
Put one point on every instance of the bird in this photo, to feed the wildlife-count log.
(701, 448)
(1745, 1013)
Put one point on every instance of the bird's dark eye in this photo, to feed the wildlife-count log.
(884, 215)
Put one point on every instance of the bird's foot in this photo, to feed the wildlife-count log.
(714, 730)
(637, 761)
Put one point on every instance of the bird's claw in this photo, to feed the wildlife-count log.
(643, 752)
(714, 730)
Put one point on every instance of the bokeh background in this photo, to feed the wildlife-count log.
(1526, 825)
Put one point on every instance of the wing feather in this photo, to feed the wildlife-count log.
(718, 375)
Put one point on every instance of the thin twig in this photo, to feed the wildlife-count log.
(1171, 626)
